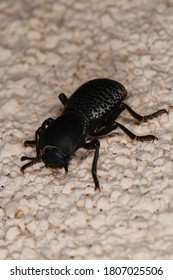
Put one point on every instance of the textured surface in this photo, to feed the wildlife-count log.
(48, 47)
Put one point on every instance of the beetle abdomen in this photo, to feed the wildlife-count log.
(96, 98)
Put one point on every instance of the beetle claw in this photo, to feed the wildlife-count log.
(146, 138)
(97, 187)
(30, 163)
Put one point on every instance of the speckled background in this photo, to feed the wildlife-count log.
(48, 47)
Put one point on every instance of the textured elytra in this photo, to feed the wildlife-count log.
(95, 98)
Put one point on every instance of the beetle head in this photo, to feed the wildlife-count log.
(54, 158)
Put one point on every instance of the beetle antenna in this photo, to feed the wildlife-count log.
(32, 162)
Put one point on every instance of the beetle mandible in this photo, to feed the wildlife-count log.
(90, 111)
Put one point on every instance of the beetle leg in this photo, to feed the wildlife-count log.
(103, 131)
(29, 143)
(155, 114)
(39, 131)
(32, 161)
(32, 143)
(63, 98)
(37, 137)
(140, 118)
(47, 122)
(132, 136)
(23, 158)
(94, 144)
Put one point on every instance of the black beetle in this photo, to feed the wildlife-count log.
(91, 111)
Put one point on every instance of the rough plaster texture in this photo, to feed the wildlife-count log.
(48, 47)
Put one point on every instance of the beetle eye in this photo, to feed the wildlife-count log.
(54, 158)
